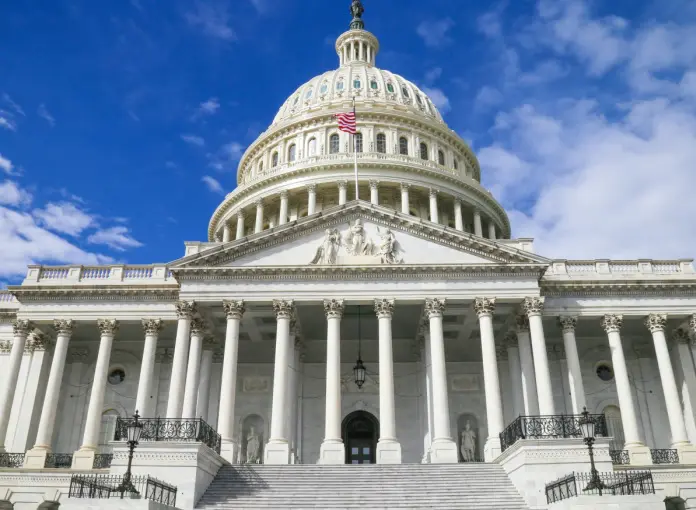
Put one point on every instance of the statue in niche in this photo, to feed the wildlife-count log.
(389, 249)
(357, 242)
(253, 447)
(468, 444)
(328, 251)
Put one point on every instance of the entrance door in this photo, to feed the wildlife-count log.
(360, 432)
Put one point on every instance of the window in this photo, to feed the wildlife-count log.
(260, 166)
(292, 152)
(312, 147)
(403, 146)
(381, 143)
(424, 151)
(456, 164)
(373, 85)
(390, 87)
(418, 98)
(274, 159)
(324, 88)
(339, 85)
(309, 93)
(604, 371)
(297, 98)
(441, 158)
(356, 83)
(404, 91)
(333, 144)
(116, 376)
(358, 142)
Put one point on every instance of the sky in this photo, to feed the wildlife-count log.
(122, 122)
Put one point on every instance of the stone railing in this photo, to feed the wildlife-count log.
(548, 427)
(613, 268)
(7, 299)
(117, 274)
(626, 483)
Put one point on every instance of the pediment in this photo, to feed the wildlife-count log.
(359, 235)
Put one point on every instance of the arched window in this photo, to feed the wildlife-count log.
(339, 85)
(356, 83)
(424, 150)
(404, 91)
(418, 98)
(403, 146)
(324, 88)
(381, 143)
(441, 158)
(358, 142)
(309, 93)
(312, 147)
(297, 98)
(456, 164)
(390, 87)
(373, 85)
(274, 159)
(292, 152)
(334, 144)
(260, 166)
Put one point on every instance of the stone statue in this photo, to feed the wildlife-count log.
(388, 248)
(356, 10)
(468, 446)
(356, 240)
(328, 251)
(253, 447)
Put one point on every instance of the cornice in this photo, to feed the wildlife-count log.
(95, 293)
(618, 288)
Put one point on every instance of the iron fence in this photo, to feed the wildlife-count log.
(102, 460)
(664, 456)
(619, 457)
(548, 427)
(59, 460)
(11, 460)
(620, 483)
(109, 486)
(169, 429)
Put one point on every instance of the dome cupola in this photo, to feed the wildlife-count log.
(357, 46)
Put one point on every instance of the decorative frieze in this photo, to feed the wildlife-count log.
(484, 306)
(107, 326)
(333, 308)
(656, 322)
(64, 326)
(284, 309)
(533, 305)
(384, 308)
(21, 327)
(435, 307)
(234, 309)
(152, 326)
(612, 323)
(185, 309)
(567, 323)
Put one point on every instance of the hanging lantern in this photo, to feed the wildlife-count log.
(359, 373)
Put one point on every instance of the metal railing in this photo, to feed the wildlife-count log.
(109, 486)
(619, 457)
(11, 460)
(620, 483)
(59, 460)
(171, 429)
(102, 460)
(664, 456)
(548, 427)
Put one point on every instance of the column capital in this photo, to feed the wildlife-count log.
(284, 308)
(522, 322)
(484, 306)
(405, 186)
(433, 192)
(510, 339)
(185, 309)
(284, 194)
(240, 214)
(384, 308)
(259, 203)
(373, 184)
(38, 342)
(656, 322)
(21, 327)
(567, 323)
(333, 308)
(311, 188)
(435, 307)
(234, 309)
(342, 184)
(681, 336)
(197, 327)
(152, 326)
(64, 326)
(533, 305)
(612, 322)
(107, 326)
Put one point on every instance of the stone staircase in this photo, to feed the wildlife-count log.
(366, 487)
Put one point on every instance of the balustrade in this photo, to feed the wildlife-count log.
(167, 429)
(548, 427)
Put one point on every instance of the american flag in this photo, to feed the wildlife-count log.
(347, 122)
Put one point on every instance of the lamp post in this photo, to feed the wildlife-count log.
(359, 368)
(135, 429)
(588, 425)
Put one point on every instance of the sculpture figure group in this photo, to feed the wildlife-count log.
(357, 244)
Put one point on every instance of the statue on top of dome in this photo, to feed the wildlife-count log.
(357, 10)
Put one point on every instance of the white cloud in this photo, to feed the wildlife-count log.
(432, 75)
(212, 17)
(12, 194)
(226, 157)
(487, 96)
(435, 33)
(213, 184)
(193, 140)
(64, 217)
(439, 99)
(210, 106)
(117, 238)
(6, 122)
(6, 165)
(46, 115)
(262, 6)
(8, 100)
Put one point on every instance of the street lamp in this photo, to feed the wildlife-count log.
(359, 368)
(134, 430)
(588, 426)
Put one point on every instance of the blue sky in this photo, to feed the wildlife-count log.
(121, 123)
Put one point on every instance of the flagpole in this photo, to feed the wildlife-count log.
(355, 154)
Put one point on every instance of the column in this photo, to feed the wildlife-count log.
(311, 199)
(185, 311)
(152, 328)
(292, 392)
(193, 371)
(374, 192)
(388, 447)
(491, 230)
(428, 392)
(443, 449)
(240, 225)
(226, 233)
(478, 228)
(513, 352)
(656, 323)
(405, 205)
(234, 311)
(458, 220)
(342, 192)
(258, 225)
(283, 216)
(529, 389)
(203, 400)
(21, 329)
(638, 453)
(84, 457)
(533, 307)
(683, 341)
(332, 449)
(484, 308)
(575, 386)
(434, 216)
(36, 457)
(277, 449)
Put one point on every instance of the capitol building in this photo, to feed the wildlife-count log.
(393, 320)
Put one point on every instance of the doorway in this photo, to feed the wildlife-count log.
(360, 431)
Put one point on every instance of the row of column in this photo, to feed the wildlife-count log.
(342, 199)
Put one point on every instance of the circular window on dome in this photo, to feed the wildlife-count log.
(324, 88)
(357, 84)
(116, 376)
(404, 91)
(373, 85)
(390, 87)
(339, 85)
(604, 371)
(309, 93)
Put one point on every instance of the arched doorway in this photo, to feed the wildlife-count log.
(360, 431)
